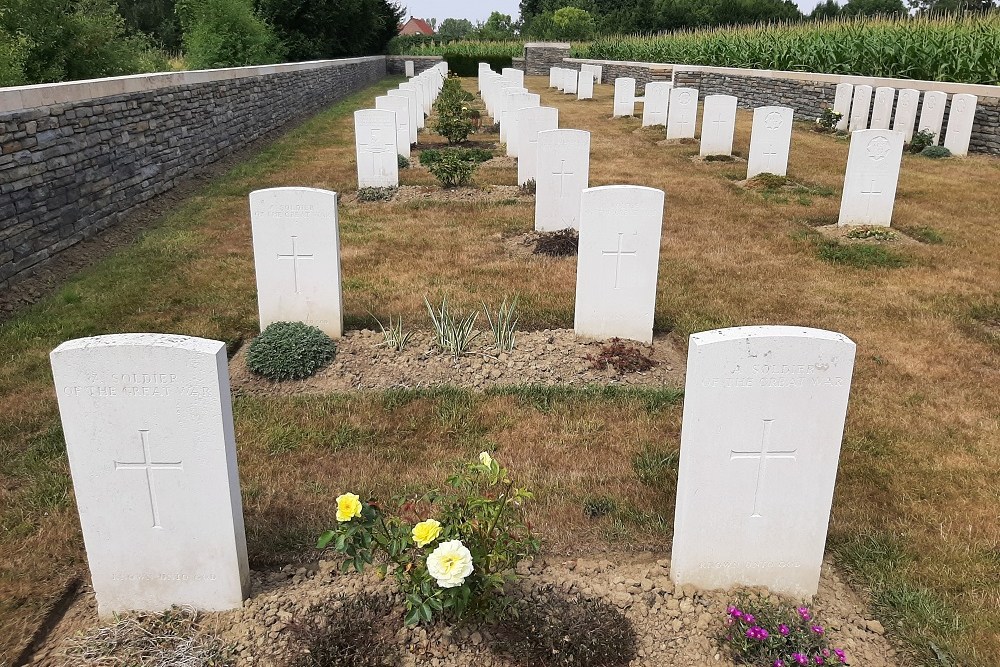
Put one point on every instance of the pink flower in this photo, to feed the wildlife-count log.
(799, 658)
(819, 660)
(826, 653)
(818, 629)
(840, 654)
(784, 630)
(779, 663)
(749, 618)
(804, 613)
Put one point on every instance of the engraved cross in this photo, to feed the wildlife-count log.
(869, 196)
(717, 126)
(149, 466)
(618, 255)
(562, 174)
(762, 456)
(295, 257)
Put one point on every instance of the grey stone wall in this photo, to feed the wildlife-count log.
(540, 56)
(69, 170)
(396, 65)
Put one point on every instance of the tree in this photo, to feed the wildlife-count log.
(455, 28)
(316, 29)
(497, 27)
(573, 24)
(873, 7)
(155, 18)
(826, 10)
(939, 6)
(226, 33)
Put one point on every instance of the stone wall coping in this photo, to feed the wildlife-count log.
(397, 56)
(554, 45)
(874, 81)
(44, 94)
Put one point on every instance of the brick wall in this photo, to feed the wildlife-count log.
(396, 65)
(73, 168)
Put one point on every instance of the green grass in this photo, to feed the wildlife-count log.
(924, 234)
(858, 255)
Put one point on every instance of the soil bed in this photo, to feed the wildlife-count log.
(841, 234)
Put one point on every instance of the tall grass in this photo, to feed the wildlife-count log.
(506, 49)
(964, 48)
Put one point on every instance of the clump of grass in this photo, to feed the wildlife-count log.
(859, 255)
(874, 233)
(924, 234)
(657, 468)
(393, 336)
(170, 638)
(377, 194)
(598, 506)
(935, 152)
(553, 630)
(719, 158)
(504, 325)
(289, 351)
(403, 162)
(766, 182)
(349, 635)
(563, 243)
(623, 356)
(453, 334)
(528, 187)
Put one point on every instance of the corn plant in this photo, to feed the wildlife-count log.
(452, 334)
(395, 338)
(475, 48)
(503, 325)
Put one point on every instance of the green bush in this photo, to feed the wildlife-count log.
(920, 141)
(432, 155)
(289, 351)
(376, 194)
(402, 162)
(226, 33)
(452, 171)
(455, 113)
(461, 64)
(936, 152)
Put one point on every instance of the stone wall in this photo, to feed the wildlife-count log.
(540, 56)
(396, 65)
(85, 160)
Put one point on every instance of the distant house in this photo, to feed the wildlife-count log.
(416, 26)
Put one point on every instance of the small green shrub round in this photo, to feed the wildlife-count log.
(289, 351)
(920, 141)
(403, 161)
(451, 170)
(936, 152)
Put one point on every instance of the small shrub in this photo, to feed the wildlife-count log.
(394, 337)
(504, 325)
(623, 356)
(403, 162)
(936, 152)
(376, 194)
(456, 119)
(859, 255)
(563, 243)
(528, 187)
(452, 171)
(923, 234)
(920, 141)
(346, 632)
(876, 233)
(289, 351)
(827, 122)
(432, 155)
(453, 334)
(553, 630)
(455, 127)
(764, 633)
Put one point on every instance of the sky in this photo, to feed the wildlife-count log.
(479, 10)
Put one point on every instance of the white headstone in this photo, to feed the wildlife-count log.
(618, 260)
(511, 74)
(570, 82)
(882, 108)
(148, 425)
(411, 109)
(624, 97)
(585, 86)
(418, 94)
(296, 247)
(560, 77)
(401, 107)
(960, 120)
(718, 123)
(375, 147)
(553, 73)
(509, 123)
(530, 122)
(770, 140)
(563, 172)
(906, 112)
(870, 183)
(504, 104)
(655, 103)
(860, 106)
(764, 411)
(932, 113)
(842, 105)
(408, 67)
(682, 116)
(596, 70)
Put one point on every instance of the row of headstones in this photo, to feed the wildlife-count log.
(572, 82)
(858, 112)
(388, 131)
(148, 424)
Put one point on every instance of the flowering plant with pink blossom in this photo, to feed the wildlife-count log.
(763, 633)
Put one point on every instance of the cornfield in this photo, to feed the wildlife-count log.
(477, 49)
(963, 49)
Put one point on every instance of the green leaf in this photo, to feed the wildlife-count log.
(342, 542)
(324, 539)
(425, 613)
(413, 617)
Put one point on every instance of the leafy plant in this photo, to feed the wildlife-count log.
(394, 336)
(552, 630)
(455, 117)
(528, 187)
(346, 632)
(764, 633)
(289, 351)
(876, 233)
(452, 171)
(226, 33)
(936, 152)
(504, 326)
(921, 140)
(452, 334)
(431, 155)
(403, 162)
(371, 194)
(451, 551)
(827, 122)
(562, 243)
(599, 506)
(623, 356)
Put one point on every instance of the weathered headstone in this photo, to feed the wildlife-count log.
(401, 107)
(770, 140)
(530, 122)
(860, 106)
(842, 105)
(596, 70)
(882, 108)
(764, 411)
(619, 257)
(562, 173)
(960, 120)
(656, 102)
(515, 75)
(872, 173)
(418, 94)
(682, 116)
(932, 113)
(375, 148)
(624, 97)
(585, 85)
(906, 112)
(504, 105)
(408, 67)
(148, 425)
(509, 122)
(411, 109)
(296, 247)
(718, 123)
(571, 81)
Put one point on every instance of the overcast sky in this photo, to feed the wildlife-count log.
(478, 10)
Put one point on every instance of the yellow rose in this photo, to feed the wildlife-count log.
(426, 532)
(348, 507)
(485, 459)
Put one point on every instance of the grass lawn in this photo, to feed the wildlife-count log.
(915, 516)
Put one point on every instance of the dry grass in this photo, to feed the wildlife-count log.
(915, 514)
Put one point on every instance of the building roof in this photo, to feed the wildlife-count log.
(416, 26)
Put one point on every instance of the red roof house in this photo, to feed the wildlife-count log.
(416, 26)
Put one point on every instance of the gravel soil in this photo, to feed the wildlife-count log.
(841, 234)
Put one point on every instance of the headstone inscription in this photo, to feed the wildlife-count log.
(401, 107)
(656, 102)
(682, 116)
(842, 105)
(860, 106)
(375, 148)
(906, 112)
(932, 113)
(770, 140)
(530, 122)
(870, 182)
(960, 121)
(624, 97)
(885, 97)
(718, 124)
(563, 172)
